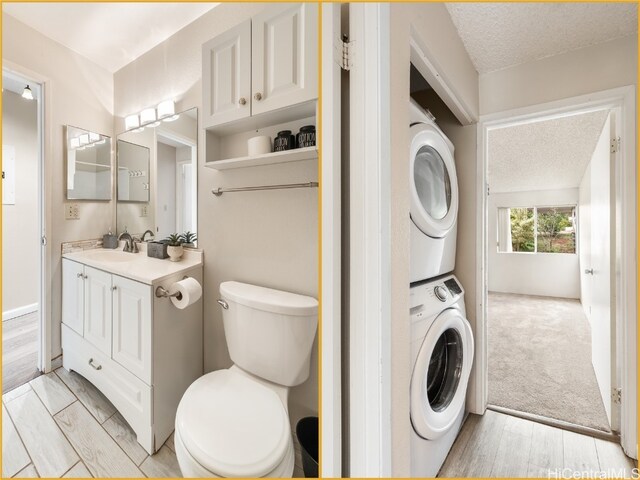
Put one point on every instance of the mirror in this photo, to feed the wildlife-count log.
(157, 177)
(88, 156)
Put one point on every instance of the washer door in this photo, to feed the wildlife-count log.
(434, 186)
(441, 374)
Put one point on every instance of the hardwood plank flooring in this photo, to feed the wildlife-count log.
(19, 351)
(51, 453)
(92, 398)
(78, 471)
(163, 464)
(53, 393)
(99, 452)
(14, 455)
(124, 436)
(499, 445)
(28, 472)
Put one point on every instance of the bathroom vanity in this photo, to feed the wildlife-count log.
(128, 340)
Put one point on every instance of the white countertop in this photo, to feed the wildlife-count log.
(136, 266)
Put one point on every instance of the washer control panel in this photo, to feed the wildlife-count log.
(432, 296)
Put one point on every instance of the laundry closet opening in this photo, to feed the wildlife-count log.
(551, 268)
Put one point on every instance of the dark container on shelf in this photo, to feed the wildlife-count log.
(307, 433)
(157, 250)
(284, 141)
(307, 136)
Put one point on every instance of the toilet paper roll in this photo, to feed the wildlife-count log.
(190, 292)
(259, 145)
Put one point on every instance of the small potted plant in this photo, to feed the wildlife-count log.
(174, 247)
(188, 239)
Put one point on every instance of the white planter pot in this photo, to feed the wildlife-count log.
(175, 253)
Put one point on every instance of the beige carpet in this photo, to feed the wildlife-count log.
(540, 359)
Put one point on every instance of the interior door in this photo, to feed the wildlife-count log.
(602, 268)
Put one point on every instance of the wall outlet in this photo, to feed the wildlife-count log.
(143, 211)
(72, 211)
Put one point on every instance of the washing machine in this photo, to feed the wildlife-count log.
(434, 197)
(441, 359)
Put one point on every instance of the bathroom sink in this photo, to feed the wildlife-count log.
(111, 256)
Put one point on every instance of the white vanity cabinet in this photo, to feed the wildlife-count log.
(137, 348)
(262, 65)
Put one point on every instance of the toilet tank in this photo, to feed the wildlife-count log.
(269, 332)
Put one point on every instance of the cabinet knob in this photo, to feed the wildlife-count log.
(80, 275)
(242, 101)
(114, 288)
(258, 96)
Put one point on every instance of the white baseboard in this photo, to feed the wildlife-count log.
(18, 312)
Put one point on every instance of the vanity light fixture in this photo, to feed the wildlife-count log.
(131, 122)
(74, 142)
(148, 117)
(84, 139)
(27, 93)
(167, 111)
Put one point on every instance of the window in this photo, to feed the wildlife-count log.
(537, 229)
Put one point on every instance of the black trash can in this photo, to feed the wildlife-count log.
(307, 433)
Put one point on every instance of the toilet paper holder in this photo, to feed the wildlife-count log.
(162, 292)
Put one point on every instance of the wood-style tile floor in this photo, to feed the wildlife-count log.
(60, 425)
(499, 445)
(19, 351)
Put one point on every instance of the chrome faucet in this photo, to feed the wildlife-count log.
(128, 241)
(145, 234)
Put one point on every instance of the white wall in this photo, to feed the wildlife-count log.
(20, 238)
(266, 238)
(81, 94)
(584, 236)
(432, 23)
(590, 69)
(545, 274)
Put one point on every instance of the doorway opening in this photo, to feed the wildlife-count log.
(22, 227)
(553, 230)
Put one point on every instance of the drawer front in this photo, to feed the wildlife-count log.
(131, 396)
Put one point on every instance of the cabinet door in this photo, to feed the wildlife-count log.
(97, 308)
(73, 295)
(284, 56)
(226, 76)
(132, 327)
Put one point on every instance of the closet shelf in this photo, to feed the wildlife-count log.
(295, 155)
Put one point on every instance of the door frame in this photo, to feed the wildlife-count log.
(44, 205)
(622, 98)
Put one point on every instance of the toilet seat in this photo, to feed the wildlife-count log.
(233, 426)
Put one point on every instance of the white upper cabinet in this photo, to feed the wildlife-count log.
(132, 326)
(226, 66)
(284, 56)
(97, 308)
(264, 64)
(73, 295)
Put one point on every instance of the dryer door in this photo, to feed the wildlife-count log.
(434, 186)
(440, 375)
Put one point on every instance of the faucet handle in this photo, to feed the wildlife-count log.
(134, 246)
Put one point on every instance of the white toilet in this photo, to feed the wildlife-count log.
(235, 422)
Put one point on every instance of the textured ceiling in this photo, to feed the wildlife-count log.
(546, 155)
(500, 35)
(110, 34)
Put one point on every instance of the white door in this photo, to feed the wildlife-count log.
(73, 295)
(132, 326)
(226, 76)
(284, 49)
(97, 309)
(602, 267)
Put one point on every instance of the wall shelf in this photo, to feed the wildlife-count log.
(295, 155)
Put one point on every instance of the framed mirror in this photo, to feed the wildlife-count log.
(157, 178)
(88, 158)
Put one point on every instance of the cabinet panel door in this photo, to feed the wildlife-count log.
(132, 327)
(226, 76)
(73, 295)
(97, 308)
(284, 56)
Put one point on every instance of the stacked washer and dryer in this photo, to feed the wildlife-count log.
(441, 338)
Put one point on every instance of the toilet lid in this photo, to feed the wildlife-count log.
(232, 425)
